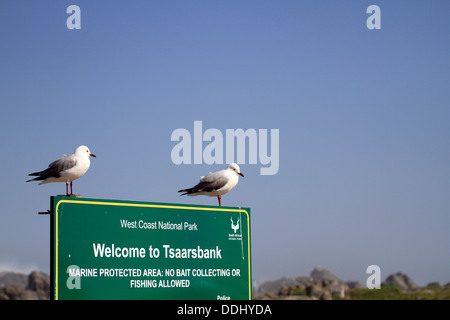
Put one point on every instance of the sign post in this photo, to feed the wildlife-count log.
(110, 249)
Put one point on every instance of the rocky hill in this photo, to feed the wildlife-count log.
(10, 277)
(322, 284)
(17, 286)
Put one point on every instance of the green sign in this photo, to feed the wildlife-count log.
(110, 249)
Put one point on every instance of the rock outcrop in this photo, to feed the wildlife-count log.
(37, 286)
(399, 280)
(323, 285)
(320, 273)
(11, 277)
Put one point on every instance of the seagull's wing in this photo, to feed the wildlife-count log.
(211, 182)
(63, 164)
(56, 167)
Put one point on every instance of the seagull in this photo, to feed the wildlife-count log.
(216, 184)
(66, 169)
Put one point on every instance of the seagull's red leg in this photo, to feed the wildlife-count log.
(71, 191)
(218, 197)
(67, 189)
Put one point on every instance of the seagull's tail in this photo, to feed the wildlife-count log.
(36, 174)
(186, 191)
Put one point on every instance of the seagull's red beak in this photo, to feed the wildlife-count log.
(240, 174)
(92, 155)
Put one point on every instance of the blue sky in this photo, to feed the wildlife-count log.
(363, 117)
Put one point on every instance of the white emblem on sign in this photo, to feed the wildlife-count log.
(236, 236)
(235, 227)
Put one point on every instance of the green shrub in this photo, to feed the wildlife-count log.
(299, 292)
(385, 293)
(395, 293)
(433, 286)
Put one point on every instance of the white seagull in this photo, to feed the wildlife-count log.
(66, 169)
(216, 184)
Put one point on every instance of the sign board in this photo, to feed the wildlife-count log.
(110, 249)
